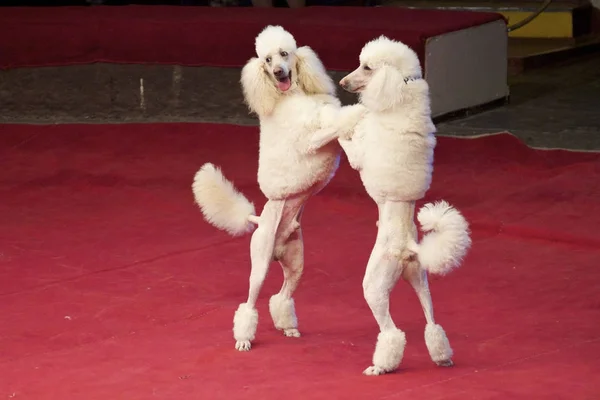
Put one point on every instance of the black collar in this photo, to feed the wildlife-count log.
(411, 78)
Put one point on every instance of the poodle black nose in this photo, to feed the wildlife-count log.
(278, 72)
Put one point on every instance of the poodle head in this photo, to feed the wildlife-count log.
(281, 68)
(276, 47)
(387, 68)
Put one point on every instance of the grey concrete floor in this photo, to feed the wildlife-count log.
(554, 107)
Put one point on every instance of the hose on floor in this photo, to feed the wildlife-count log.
(530, 18)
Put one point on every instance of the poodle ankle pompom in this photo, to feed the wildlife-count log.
(438, 345)
(245, 322)
(283, 312)
(388, 352)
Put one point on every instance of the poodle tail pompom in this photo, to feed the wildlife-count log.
(221, 204)
(447, 239)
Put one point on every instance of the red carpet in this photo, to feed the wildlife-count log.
(113, 287)
(208, 36)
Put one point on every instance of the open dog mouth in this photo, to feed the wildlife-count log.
(285, 82)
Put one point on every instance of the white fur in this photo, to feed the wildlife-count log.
(388, 352)
(289, 119)
(289, 171)
(438, 345)
(399, 116)
(392, 146)
(393, 61)
(259, 93)
(283, 313)
(285, 167)
(447, 242)
(312, 75)
(221, 204)
(273, 37)
(245, 322)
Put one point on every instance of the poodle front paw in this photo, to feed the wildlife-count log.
(374, 370)
(292, 332)
(243, 345)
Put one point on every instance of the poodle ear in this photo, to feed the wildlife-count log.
(312, 76)
(384, 90)
(259, 92)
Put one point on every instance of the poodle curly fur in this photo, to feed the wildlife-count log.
(388, 137)
(392, 146)
(292, 94)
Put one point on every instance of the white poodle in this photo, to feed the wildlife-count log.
(392, 148)
(289, 89)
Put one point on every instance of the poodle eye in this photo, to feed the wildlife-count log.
(268, 60)
(367, 68)
(283, 54)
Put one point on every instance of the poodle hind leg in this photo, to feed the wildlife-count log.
(435, 338)
(262, 245)
(289, 250)
(384, 268)
(380, 278)
(281, 305)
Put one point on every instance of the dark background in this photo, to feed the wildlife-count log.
(58, 3)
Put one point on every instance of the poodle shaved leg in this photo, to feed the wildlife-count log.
(435, 337)
(281, 305)
(289, 250)
(381, 276)
(262, 244)
(383, 271)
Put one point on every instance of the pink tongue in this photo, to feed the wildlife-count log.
(285, 85)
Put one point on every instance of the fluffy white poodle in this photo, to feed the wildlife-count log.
(290, 91)
(392, 148)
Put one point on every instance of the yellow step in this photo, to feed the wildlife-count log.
(554, 24)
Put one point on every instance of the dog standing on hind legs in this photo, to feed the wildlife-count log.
(392, 148)
(289, 89)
